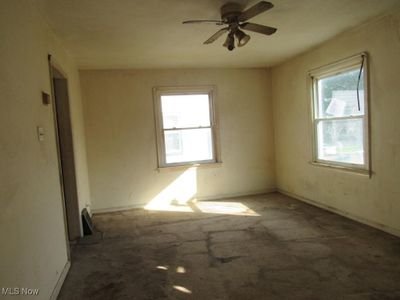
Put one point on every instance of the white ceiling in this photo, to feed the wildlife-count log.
(104, 34)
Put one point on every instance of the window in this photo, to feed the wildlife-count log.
(185, 126)
(340, 114)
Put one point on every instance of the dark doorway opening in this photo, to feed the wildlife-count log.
(65, 152)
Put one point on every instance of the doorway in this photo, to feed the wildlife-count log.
(65, 152)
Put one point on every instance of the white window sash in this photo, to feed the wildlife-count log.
(186, 128)
(340, 118)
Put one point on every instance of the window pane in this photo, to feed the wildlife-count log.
(337, 95)
(180, 111)
(341, 141)
(188, 145)
(173, 142)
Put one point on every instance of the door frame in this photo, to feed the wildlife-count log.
(53, 65)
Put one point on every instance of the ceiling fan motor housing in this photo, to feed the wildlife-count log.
(230, 12)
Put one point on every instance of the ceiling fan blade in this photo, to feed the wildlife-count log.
(255, 10)
(216, 35)
(258, 28)
(217, 22)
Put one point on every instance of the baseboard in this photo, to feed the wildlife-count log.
(116, 209)
(356, 218)
(206, 198)
(60, 281)
(237, 195)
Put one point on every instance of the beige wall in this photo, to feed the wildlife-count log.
(377, 199)
(121, 141)
(33, 247)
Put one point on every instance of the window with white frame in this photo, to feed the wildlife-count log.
(340, 114)
(185, 123)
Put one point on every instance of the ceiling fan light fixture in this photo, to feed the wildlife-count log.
(242, 38)
(230, 42)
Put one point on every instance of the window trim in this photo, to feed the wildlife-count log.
(160, 140)
(336, 68)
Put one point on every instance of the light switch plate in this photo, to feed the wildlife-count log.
(40, 133)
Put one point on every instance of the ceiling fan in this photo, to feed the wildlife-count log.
(235, 19)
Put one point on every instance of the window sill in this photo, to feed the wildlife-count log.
(354, 170)
(188, 166)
